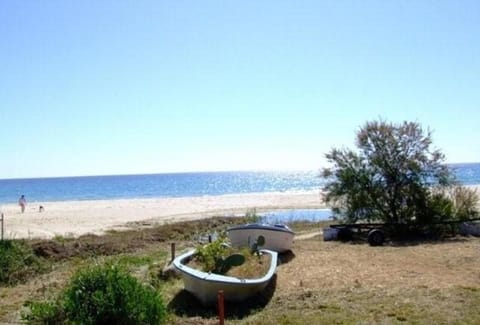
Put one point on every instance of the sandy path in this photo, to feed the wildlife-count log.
(73, 218)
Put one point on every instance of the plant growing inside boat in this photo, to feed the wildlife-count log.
(220, 258)
(255, 248)
(216, 257)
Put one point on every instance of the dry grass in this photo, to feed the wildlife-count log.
(117, 242)
(254, 267)
(337, 283)
(437, 265)
(318, 283)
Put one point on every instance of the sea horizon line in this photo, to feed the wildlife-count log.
(279, 170)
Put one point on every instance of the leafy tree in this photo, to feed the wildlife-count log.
(395, 177)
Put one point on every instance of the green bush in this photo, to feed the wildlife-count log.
(209, 255)
(44, 312)
(101, 295)
(17, 261)
(218, 257)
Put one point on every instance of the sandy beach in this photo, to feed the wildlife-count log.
(74, 218)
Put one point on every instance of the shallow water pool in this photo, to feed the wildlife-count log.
(296, 215)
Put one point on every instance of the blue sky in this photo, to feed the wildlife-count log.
(126, 87)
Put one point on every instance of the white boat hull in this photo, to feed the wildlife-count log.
(205, 286)
(276, 238)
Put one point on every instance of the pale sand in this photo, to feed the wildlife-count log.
(74, 218)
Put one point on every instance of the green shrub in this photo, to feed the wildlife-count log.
(439, 207)
(44, 312)
(109, 295)
(209, 255)
(17, 261)
(101, 295)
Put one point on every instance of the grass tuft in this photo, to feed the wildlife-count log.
(18, 262)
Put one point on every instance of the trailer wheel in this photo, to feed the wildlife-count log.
(376, 237)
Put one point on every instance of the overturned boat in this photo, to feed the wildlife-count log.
(278, 237)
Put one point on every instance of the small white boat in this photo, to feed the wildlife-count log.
(278, 238)
(205, 286)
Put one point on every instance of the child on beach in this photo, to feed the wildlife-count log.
(22, 202)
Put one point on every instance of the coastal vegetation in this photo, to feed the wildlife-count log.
(217, 257)
(18, 262)
(251, 216)
(101, 294)
(318, 283)
(395, 177)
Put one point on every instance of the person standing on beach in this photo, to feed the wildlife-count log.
(22, 202)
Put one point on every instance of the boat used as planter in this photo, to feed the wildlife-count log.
(278, 238)
(205, 286)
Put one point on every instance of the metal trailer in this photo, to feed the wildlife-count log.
(376, 233)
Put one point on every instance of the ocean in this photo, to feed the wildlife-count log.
(177, 184)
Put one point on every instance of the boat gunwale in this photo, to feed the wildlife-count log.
(258, 226)
(219, 278)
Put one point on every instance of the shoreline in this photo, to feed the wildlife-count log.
(76, 218)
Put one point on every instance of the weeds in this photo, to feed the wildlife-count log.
(210, 255)
(18, 262)
(104, 294)
(251, 216)
(218, 257)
